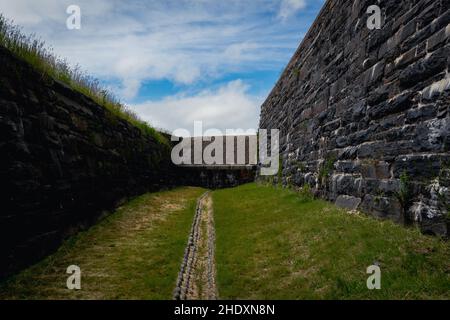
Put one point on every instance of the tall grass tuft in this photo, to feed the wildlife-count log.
(33, 50)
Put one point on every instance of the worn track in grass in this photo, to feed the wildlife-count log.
(197, 276)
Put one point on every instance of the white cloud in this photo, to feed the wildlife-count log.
(187, 42)
(290, 7)
(182, 41)
(228, 107)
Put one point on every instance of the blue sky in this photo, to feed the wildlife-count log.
(176, 62)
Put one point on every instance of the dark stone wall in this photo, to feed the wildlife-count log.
(64, 159)
(364, 114)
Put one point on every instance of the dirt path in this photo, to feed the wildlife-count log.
(197, 277)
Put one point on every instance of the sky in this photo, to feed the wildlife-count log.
(174, 62)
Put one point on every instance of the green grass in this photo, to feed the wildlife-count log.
(274, 244)
(34, 51)
(134, 253)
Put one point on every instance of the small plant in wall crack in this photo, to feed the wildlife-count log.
(404, 196)
(280, 172)
(326, 168)
(296, 73)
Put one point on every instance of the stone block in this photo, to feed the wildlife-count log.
(348, 202)
(425, 68)
(374, 74)
(394, 105)
(440, 37)
(383, 207)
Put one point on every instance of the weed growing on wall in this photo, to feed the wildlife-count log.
(280, 171)
(404, 195)
(326, 168)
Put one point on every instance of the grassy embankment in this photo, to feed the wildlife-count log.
(134, 253)
(35, 52)
(274, 244)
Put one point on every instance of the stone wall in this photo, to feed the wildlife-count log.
(64, 159)
(235, 163)
(217, 177)
(364, 114)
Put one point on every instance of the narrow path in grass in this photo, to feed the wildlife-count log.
(197, 276)
(132, 254)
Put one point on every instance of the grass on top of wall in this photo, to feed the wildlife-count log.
(274, 243)
(34, 51)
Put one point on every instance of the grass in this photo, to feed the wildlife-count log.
(273, 243)
(34, 51)
(134, 253)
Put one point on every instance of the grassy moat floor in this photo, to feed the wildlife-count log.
(274, 244)
(271, 243)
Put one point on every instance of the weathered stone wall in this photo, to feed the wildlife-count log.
(64, 159)
(364, 114)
